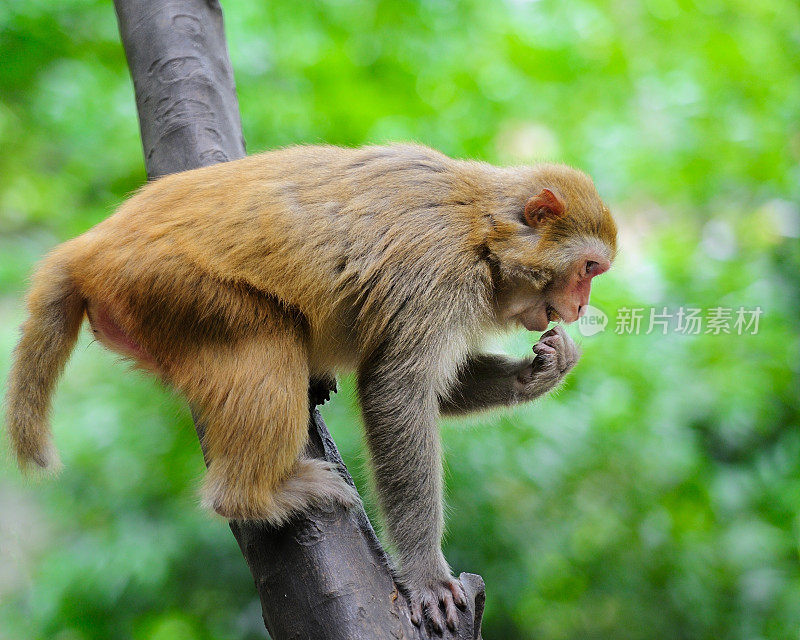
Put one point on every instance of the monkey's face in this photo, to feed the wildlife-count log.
(574, 240)
(567, 296)
(564, 298)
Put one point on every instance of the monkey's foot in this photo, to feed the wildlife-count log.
(437, 603)
(313, 483)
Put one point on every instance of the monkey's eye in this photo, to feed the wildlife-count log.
(590, 268)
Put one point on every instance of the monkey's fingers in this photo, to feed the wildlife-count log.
(450, 611)
(543, 348)
(559, 341)
(438, 605)
(430, 603)
(561, 355)
(556, 334)
(455, 598)
(544, 353)
(568, 351)
(416, 611)
(572, 353)
(457, 589)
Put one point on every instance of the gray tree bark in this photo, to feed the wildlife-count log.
(323, 576)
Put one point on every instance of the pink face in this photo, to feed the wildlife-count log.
(589, 255)
(566, 299)
(569, 302)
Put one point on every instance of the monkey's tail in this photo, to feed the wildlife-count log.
(55, 309)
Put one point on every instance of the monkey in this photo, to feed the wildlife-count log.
(238, 283)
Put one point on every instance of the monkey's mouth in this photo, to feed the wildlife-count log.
(552, 314)
(538, 316)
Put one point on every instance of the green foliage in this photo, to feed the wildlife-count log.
(655, 496)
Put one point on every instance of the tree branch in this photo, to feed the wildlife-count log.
(324, 575)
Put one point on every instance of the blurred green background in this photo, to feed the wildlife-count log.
(656, 496)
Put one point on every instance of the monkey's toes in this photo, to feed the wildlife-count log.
(438, 604)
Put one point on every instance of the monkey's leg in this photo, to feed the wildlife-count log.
(486, 381)
(400, 410)
(252, 395)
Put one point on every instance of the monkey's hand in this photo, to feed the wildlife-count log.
(436, 602)
(556, 353)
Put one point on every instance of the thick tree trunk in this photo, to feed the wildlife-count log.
(324, 575)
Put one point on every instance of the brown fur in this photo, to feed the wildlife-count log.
(236, 283)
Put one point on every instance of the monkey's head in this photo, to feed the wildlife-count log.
(551, 247)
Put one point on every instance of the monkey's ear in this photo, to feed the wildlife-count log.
(543, 207)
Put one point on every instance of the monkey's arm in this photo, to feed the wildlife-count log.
(399, 409)
(484, 381)
(487, 380)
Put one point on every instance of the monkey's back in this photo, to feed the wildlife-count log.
(324, 231)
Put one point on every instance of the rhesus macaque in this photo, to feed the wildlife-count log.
(238, 283)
